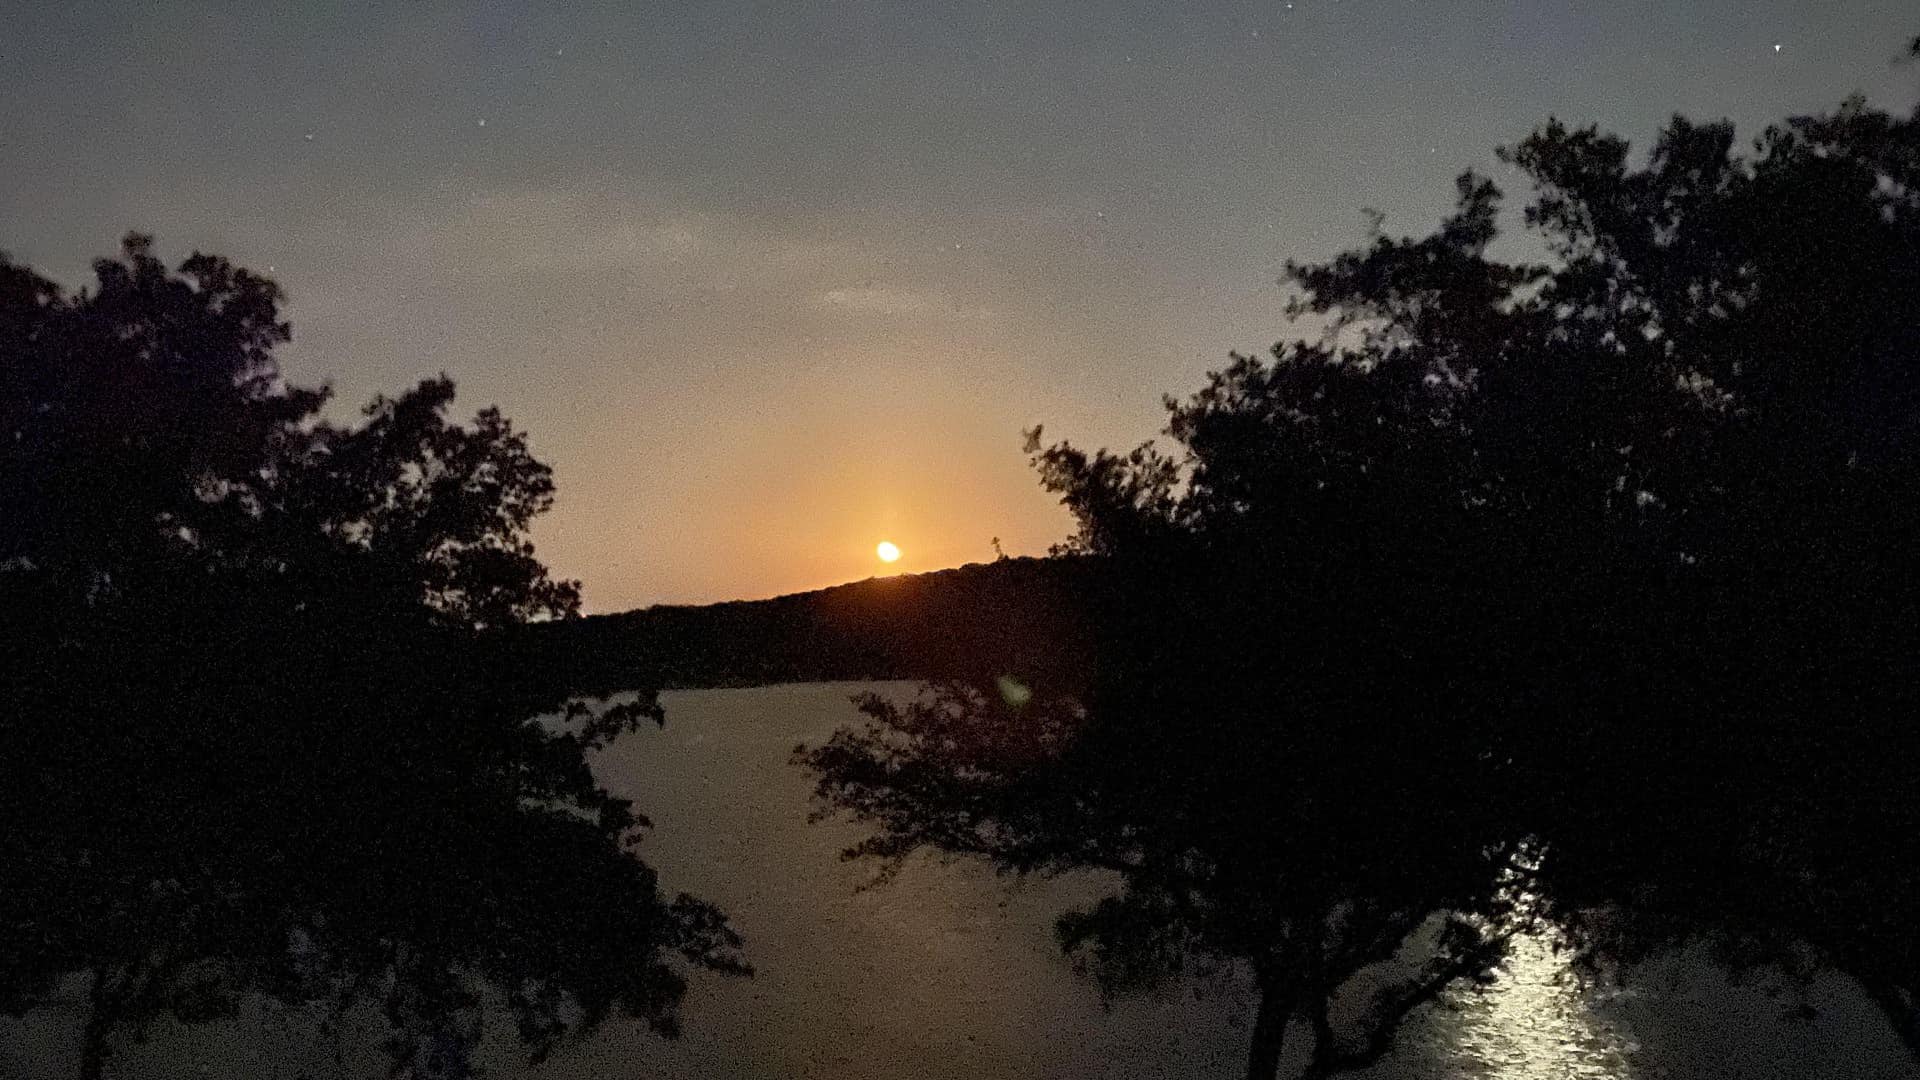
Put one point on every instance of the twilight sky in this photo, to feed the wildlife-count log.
(771, 282)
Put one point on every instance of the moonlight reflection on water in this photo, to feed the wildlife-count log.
(1536, 1024)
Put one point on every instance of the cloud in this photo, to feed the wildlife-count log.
(869, 299)
(875, 300)
(563, 232)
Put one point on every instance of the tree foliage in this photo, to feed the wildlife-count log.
(266, 731)
(1266, 709)
(1580, 589)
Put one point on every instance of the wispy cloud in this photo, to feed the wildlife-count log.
(564, 232)
(870, 299)
(876, 300)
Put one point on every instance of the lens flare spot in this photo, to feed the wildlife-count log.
(1014, 692)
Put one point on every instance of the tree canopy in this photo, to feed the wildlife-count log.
(268, 731)
(1579, 589)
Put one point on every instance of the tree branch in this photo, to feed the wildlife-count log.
(1900, 1010)
(1330, 1057)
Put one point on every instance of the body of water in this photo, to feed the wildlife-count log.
(950, 972)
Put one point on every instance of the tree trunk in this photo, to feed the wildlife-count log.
(102, 1015)
(1269, 1032)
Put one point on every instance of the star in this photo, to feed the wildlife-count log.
(1776, 46)
(308, 136)
(483, 121)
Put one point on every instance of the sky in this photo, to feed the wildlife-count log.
(769, 283)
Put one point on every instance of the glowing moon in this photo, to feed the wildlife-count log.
(887, 551)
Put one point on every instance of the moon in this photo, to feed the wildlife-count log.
(888, 551)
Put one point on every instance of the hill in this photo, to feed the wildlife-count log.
(1011, 616)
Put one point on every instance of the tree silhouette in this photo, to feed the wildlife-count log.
(1276, 750)
(267, 731)
(1582, 588)
(1699, 431)
(1748, 783)
(1695, 433)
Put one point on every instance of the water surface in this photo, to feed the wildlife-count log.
(950, 972)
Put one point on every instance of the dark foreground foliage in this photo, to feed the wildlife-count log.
(1582, 591)
(264, 733)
